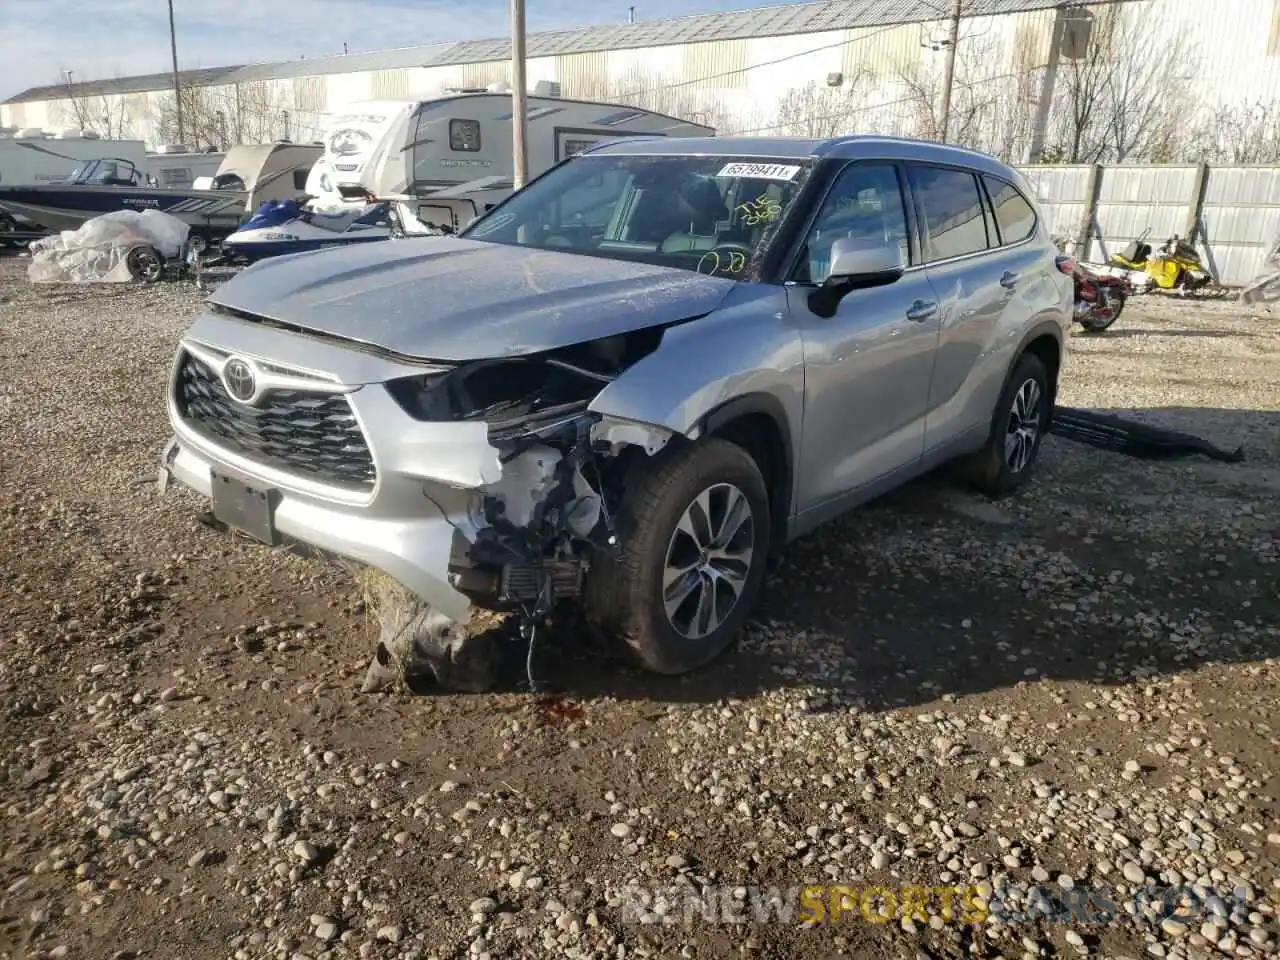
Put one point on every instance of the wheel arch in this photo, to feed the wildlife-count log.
(758, 423)
(1044, 341)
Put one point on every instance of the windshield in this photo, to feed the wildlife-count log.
(708, 214)
(105, 172)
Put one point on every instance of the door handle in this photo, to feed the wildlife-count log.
(922, 310)
(1008, 280)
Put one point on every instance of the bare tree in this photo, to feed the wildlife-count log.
(990, 105)
(1242, 134)
(107, 115)
(218, 118)
(672, 97)
(1128, 96)
(819, 111)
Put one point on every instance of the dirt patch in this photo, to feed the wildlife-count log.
(1074, 689)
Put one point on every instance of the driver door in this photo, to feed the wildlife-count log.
(868, 367)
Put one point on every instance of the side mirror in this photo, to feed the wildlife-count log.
(855, 266)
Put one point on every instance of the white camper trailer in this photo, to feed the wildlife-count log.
(177, 168)
(447, 160)
(38, 157)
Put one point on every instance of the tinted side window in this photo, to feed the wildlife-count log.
(952, 210)
(1015, 217)
(865, 205)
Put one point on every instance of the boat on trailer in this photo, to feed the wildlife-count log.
(246, 177)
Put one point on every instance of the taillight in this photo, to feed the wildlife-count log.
(1066, 264)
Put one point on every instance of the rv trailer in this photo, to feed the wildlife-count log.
(447, 160)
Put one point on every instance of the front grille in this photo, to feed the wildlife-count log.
(311, 435)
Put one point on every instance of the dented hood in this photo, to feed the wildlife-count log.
(445, 298)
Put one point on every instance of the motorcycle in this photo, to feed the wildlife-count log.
(1175, 266)
(1098, 298)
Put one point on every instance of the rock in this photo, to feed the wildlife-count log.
(1133, 872)
(306, 852)
(620, 830)
(393, 933)
(1173, 927)
(880, 860)
(327, 931)
(483, 906)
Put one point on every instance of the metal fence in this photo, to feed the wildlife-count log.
(1233, 213)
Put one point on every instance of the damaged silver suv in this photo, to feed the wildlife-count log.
(633, 380)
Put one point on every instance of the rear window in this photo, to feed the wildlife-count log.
(1015, 216)
(464, 135)
(952, 210)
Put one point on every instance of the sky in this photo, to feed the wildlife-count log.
(97, 39)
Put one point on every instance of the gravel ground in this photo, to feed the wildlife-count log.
(1072, 691)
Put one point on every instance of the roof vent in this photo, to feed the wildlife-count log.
(835, 79)
(546, 88)
(32, 133)
(173, 148)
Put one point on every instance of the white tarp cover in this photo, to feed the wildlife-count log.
(98, 251)
(1265, 285)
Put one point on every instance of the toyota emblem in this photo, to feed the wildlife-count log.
(237, 377)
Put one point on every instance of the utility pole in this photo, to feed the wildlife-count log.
(177, 86)
(519, 118)
(1040, 125)
(949, 71)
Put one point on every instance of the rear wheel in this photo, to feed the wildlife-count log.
(693, 532)
(1096, 325)
(1018, 426)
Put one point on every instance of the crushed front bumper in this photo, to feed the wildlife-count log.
(415, 548)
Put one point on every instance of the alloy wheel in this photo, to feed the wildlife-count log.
(1023, 427)
(708, 560)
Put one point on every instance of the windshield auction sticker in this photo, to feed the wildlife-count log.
(760, 171)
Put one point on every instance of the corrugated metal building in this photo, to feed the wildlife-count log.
(770, 69)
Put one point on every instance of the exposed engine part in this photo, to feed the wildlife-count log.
(527, 479)
(523, 583)
(531, 533)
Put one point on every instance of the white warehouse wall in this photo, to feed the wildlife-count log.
(750, 84)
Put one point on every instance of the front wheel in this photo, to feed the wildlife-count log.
(693, 534)
(1021, 420)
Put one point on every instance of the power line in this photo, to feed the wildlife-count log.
(888, 103)
(766, 63)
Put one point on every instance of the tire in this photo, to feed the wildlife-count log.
(992, 470)
(1117, 307)
(624, 595)
(145, 264)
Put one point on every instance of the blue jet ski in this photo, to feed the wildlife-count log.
(285, 226)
